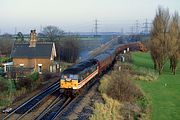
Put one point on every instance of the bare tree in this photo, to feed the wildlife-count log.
(6, 44)
(70, 47)
(159, 42)
(52, 32)
(20, 37)
(173, 42)
(152, 47)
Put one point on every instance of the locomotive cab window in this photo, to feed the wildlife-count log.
(69, 77)
(73, 77)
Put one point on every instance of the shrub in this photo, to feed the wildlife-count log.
(34, 76)
(141, 73)
(143, 103)
(3, 85)
(118, 86)
(121, 88)
(24, 82)
(108, 111)
(47, 76)
(104, 84)
(5, 59)
(18, 93)
(6, 94)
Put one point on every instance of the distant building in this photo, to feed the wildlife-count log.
(38, 56)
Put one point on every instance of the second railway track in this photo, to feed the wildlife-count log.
(29, 105)
(53, 112)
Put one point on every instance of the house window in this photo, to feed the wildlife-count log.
(21, 65)
(51, 68)
(40, 68)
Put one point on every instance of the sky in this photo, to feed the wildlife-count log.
(79, 15)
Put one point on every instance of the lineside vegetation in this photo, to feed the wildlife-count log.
(123, 99)
(12, 90)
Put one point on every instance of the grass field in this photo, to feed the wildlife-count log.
(164, 93)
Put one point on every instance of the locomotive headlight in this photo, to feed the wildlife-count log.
(68, 79)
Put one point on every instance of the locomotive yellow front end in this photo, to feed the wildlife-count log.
(69, 82)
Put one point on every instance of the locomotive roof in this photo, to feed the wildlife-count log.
(102, 56)
(80, 66)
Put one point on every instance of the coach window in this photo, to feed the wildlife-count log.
(40, 68)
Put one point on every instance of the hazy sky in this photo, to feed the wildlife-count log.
(78, 15)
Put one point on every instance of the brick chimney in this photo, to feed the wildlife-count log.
(33, 38)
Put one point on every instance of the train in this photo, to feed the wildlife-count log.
(76, 77)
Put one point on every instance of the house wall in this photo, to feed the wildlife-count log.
(33, 63)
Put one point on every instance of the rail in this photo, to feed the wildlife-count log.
(33, 102)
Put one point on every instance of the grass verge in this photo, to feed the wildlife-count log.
(164, 93)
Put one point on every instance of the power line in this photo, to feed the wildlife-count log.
(137, 27)
(132, 29)
(146, 27)
(96, 27)
(15, 30)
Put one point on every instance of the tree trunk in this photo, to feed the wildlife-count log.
(155, 66)
(170, 66)
(174, 71)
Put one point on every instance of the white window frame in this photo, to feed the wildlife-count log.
(40, 70)
(21, 65)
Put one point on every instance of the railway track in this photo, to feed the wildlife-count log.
(61, 105)
(53, 111)
(73, 102)
(29, 105)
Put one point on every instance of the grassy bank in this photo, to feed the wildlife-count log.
(122, 98)
(164, 93)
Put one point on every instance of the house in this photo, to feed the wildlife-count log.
(35, 55)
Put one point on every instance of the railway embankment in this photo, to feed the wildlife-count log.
(123, 99)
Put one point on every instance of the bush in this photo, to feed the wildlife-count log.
(119, 86)
(47, 76)
(138, 73)
(24, 82)
(3, 85)
(108, 111)
(141, 73)
(34, 76)
(6, 94)
(5, 59)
